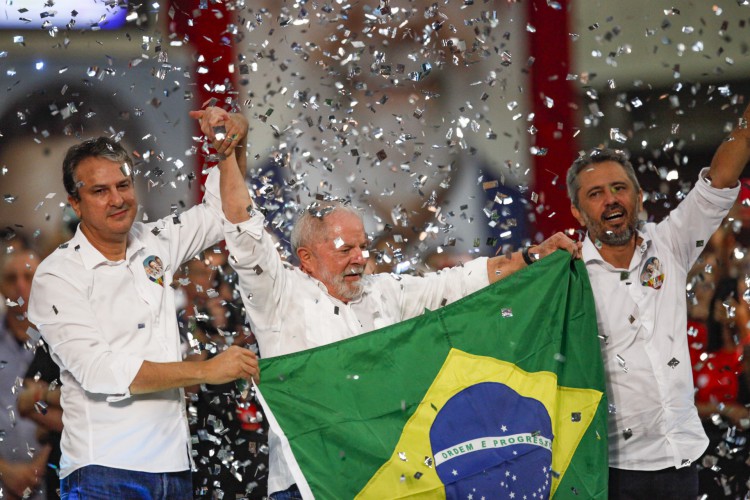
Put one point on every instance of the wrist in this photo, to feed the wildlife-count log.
(528, 256)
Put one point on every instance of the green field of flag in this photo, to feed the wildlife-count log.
(498, 394)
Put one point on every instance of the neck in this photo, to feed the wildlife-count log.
(113, 250)
(619, 256)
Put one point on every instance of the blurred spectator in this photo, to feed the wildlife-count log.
(40, 402)
(718, 375)
(229, 439)
(718, 316)
(715, 374)
(22, 458)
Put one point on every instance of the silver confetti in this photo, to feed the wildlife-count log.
(622, 364)
(220, 132)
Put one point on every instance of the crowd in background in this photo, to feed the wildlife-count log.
(718, 293)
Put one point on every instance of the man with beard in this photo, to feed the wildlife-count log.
(638, 276)
(329, 297)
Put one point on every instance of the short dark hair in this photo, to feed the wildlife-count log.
(101, 147)
(592, 158)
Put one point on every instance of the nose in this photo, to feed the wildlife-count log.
(358, 257)
(609, 196)
(115, 198)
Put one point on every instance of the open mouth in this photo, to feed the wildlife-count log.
(354, 273)
(614, 215)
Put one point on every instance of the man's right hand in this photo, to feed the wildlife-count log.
(232, 364)
(234, 131)
(558, 241)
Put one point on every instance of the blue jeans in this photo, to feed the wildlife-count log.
(292, 493)
(95, 482)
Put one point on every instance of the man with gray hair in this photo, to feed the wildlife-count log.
(638, 275)
(328, 297)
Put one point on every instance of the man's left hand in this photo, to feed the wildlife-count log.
(557, 241)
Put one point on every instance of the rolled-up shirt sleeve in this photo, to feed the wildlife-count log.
(434, 290)
(196, 228)
(689, 226)
(259, 268)
(62, 313)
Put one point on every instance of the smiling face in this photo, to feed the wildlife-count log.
(106, 201)
(335, 256)
(608, 203)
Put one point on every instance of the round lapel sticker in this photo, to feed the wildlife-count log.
(651, 274)
(154, 269)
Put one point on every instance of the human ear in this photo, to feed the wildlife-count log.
(75, 204)
(305, 257)
(577, 214)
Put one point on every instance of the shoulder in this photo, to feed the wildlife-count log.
(65, 258)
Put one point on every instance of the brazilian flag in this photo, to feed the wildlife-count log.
(498, 395)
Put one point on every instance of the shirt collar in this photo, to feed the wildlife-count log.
(91, 257)
(591, 253)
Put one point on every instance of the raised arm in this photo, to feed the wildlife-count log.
(502, 266)
(235, 198)
(228, 134)
(732, 155)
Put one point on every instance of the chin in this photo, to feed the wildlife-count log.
(617, 239)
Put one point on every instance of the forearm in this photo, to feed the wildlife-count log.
(28, 396)
(38, 392)
(235, 198)
(51, 420)
(155, 377)
(503, 266)
(240, 152)
(731, 156)
(232, 364)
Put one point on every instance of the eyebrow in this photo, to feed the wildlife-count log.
(104, 185)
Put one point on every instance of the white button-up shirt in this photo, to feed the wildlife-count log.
(642, 317)
(102, 319)
(290, 311)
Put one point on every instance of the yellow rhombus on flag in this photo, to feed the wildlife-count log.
(405, 474)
